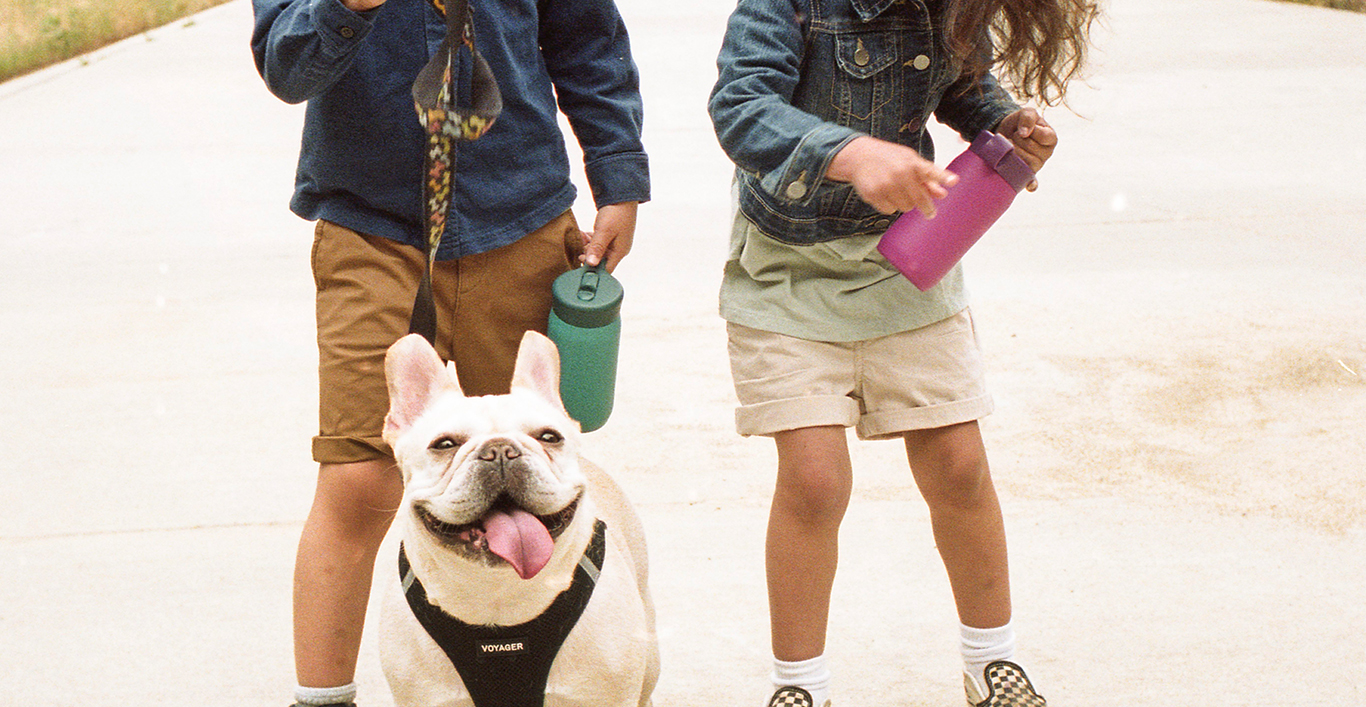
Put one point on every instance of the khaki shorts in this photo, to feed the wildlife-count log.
(922, 379)
(365, 289)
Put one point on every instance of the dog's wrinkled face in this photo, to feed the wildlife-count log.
(494, 478)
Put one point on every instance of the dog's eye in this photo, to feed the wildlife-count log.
(549, 436)
(445, 443)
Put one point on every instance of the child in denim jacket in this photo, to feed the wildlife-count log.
(823, 105)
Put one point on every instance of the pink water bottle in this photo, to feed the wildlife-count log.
(990, 174)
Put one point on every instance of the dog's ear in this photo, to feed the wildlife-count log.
(538, 367)
(414, 375)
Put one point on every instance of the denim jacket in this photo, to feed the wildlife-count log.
(800, 79)
(361, 161)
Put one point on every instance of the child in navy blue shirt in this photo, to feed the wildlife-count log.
(509, 233)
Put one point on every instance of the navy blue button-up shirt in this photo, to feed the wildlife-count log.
(361, 161)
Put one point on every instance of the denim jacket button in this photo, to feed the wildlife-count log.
(346, 32)
(796, 190)
(921, 62)
(861, 55)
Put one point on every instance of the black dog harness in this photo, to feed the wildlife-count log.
(508, 666)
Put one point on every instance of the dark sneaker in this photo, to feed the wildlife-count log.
(793, 697)
(1005, 686)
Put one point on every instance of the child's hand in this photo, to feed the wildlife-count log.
(1033, 138)
(890, 177)
(614, 229)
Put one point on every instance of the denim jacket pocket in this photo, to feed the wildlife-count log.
(863, 54)
(863, 85)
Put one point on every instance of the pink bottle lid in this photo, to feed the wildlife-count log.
(999, 154)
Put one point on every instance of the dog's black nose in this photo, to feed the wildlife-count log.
(495, 450)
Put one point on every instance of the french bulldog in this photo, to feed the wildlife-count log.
(498, 515)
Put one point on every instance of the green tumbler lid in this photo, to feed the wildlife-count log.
(588, 297)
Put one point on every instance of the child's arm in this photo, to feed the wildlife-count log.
(302, 48)
(890, 177)
(972, 104)
(751, 105)
(587, 53)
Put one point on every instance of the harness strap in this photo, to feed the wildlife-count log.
(508, 666)
(446, 121)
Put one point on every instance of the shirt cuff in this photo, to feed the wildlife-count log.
(795, 181)
(619, 178)
(340, 27)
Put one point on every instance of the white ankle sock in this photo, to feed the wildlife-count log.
(984, 646)
(810, 675)
(325, 695)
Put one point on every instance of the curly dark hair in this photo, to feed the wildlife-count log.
(1036, 46)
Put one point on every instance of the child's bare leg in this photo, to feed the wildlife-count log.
(352, 509)
(950, 468)
(809, 500)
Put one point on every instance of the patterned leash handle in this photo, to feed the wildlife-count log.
(446, 121)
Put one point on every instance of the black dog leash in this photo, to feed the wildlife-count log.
(508, 666)
(446, 122)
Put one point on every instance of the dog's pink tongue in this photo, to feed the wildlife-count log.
(521, 539)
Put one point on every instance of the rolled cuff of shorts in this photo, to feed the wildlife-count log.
(348, 450)
(896, 423)
(775, 416)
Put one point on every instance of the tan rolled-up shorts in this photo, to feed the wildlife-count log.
(926, 378)
(365, 289)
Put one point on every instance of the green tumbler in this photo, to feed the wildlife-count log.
(585, 324)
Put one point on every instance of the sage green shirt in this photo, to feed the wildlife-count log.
(840, 290)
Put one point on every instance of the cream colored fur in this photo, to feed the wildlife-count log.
(610, 659)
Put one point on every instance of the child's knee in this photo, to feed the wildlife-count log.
(957, 478)
(360, 497)
(814, 494)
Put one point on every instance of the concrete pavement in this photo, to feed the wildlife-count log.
(1175, 325)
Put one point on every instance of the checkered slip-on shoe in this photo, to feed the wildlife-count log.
(1006, 686)
(793, 697)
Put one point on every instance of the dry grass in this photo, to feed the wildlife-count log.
(1353, 5)
(37, 33)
